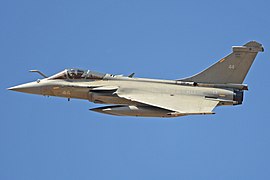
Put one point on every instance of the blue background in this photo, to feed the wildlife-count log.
(51, 138)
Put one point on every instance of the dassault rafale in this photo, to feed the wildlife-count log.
(219, 85)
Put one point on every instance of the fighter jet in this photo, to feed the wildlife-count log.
(218, 85)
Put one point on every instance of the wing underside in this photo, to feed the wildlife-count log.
(182, 104)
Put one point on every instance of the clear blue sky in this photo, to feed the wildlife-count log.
(51, 138)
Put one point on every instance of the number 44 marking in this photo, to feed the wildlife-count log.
(231, 66)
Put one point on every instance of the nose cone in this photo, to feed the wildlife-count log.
(32, 88)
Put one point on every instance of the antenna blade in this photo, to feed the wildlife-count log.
(131, 75)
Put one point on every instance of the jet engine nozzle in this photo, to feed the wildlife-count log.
(238, 97)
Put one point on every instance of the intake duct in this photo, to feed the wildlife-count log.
(238, 97)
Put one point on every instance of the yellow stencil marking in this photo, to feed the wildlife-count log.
(222, 60)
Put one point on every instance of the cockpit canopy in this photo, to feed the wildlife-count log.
(78, 74)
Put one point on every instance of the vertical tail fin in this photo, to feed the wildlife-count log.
(232, 68)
